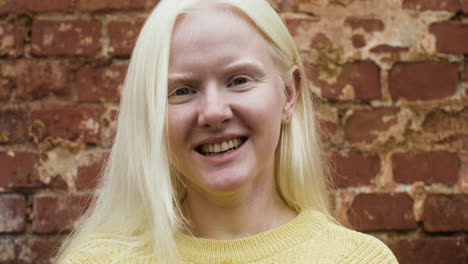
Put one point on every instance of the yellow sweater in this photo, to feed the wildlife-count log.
(308, 238)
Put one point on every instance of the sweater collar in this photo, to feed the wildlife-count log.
(251, 248)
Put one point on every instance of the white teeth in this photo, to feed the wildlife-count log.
(220, 147)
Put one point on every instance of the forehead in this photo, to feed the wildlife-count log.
(212, 31)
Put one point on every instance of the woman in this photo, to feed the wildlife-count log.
(216, 158)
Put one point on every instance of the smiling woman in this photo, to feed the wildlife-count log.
(216, 157)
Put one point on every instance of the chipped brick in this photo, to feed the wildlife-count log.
(37, 251)
(57, 212)
(66, 37)
(446, 213)
(11, 39)
(18, 170)
(13, 126)
(122, 36)
(428, 167)
(368, 24)
(100, 84)
(423, 81)
(451, 37)
(377, 212)
(7, 251)
(357, 81)
(365, 125)
(355, 169)
(68, 123)
(430, 250)
(12, 213)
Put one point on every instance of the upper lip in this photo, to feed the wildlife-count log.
(218, 139)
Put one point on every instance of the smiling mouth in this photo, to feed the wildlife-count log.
(221, 147)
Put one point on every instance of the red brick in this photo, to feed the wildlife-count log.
(36, 79)
(18, 170)
(328, 128)
(6, 86)
(375, 212)
(286, 5)
(88, 175)
(423, 81)
(27, 6)
(37, 251)
(434, 5)
(446, 213)
(430, 250)
(358, 41)
(66, 37)
(363, 125)
(428, 167)
(13, 128)
(12, 213)
(57, 212)
(384, 48)
(122, 36)
(11, 39)
(100, 84)
(355, 169)
(439, 121)
(368, 24)
(105, 5)
(69, 123)
(451, 37)
(360, 80)
(465, 6)
(7, 251)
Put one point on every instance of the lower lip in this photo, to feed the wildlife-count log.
(224, 157)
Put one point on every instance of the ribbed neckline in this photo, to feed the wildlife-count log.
(251, 248)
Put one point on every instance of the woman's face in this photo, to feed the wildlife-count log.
(226, 102)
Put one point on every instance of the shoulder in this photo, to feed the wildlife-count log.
(349, 246)
(104, 249)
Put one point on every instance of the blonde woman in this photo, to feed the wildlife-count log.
(216, 157)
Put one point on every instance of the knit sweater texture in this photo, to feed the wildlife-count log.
(308, 238)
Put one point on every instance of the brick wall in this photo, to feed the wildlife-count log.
(392, 77)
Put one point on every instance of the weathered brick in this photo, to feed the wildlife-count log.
(466, 72)
(446, 213)
(355, 169)
(12, 213)
(439, 121)
(465, 6)
(368, 24)
(36, 79)
(122, 36)
(104, 5)
(451, 37)
(6, 86)
(434, 5)
(13, 126)
(374, 212)
(365, 125)
(27, 6)
(428, 167)
(11, 39)
(66, 37)
(430, 250)
(57, 212)
(68, 123)
(357, 81)
(100, 84)
(384, 48)
(18, 170)
(301, 29)
(37, 251)
(423, 81)
(88, 175)
(358, 41)
(7, 251)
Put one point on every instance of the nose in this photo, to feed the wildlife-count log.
(214, 109)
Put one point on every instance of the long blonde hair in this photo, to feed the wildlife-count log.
(138, 196)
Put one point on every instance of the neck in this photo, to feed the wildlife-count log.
(253, 209)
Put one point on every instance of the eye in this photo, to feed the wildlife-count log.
(239, 80)
(182, 91)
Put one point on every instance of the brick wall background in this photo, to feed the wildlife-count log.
(392, 76)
